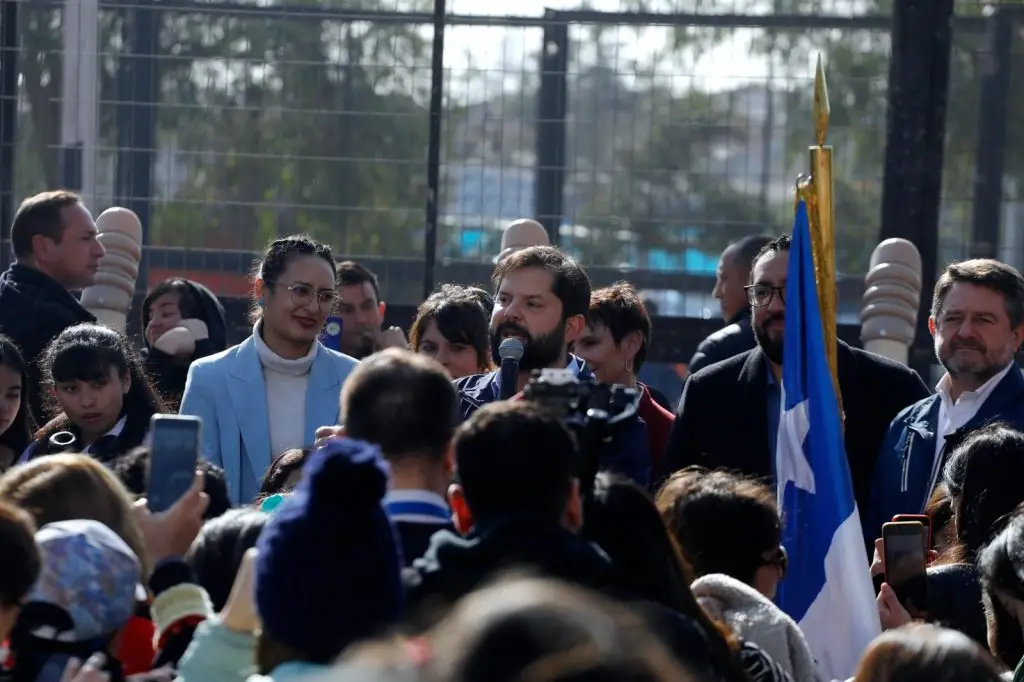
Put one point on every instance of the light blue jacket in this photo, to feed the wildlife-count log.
(218, 655)
(228, 392)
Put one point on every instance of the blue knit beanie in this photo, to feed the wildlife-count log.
(330, 562)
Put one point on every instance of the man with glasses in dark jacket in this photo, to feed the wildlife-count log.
(729, 413)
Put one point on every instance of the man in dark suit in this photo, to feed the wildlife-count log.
(729, 413)
(732, 275)
(405, 404)
(56, 251)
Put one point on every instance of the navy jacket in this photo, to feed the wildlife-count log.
(34, 310)
(628, 454)
(735, 338)
(907, 466)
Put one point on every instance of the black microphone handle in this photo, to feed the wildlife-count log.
(509, 377)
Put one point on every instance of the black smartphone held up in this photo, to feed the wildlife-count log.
(174, 452)
(924, 520)
(906, 562)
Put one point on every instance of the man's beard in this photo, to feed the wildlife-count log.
(980, 371)
(773, 350)
(539, 352)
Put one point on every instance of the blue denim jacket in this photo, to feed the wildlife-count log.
(906, 466)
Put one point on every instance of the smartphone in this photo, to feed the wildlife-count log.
(924, 520)
(905, 559)
(174, 453)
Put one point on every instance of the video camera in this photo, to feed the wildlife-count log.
(581, 401)
(589, 408)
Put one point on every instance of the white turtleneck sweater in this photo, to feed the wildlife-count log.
(286, 382)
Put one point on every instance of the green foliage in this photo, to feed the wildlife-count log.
(278, 125)
(666, 182)
(266, 126)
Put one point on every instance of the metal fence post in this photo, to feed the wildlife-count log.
(990, 154)
(434, 148)
(552, 109)
(922, 39)
(139, 86)
(9, 47)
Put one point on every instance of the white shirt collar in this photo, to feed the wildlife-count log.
(115, 430)
(979, 395)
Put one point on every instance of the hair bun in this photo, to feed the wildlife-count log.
(347, 474)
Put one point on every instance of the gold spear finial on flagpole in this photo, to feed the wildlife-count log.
(816, 190)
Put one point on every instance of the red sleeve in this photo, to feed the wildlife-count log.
(659, 425)
(136, 652)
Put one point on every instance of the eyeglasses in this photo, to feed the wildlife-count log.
(761, 295)
(303, 294)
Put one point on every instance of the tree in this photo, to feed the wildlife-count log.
(41, 63)
(857, 65)
(267, 125)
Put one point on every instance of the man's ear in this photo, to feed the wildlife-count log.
(41, 246)
(931, 325)
(381, 309)
(1018, 336)
(574, 326)
(630, 345)
(448, 462)
(461, 515)
(572, 517)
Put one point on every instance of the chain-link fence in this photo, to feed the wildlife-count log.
(646, 133)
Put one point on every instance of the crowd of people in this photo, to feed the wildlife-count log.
(381, 513)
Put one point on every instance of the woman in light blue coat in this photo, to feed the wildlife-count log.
(271, 392)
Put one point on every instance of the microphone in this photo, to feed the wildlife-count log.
(110, 297)
(511, 352)
(888, 317)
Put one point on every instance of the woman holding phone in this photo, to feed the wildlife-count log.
(271, 392)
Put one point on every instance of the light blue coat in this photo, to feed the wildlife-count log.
(228, 392)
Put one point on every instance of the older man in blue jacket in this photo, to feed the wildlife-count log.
(977, 321)
(542, 297)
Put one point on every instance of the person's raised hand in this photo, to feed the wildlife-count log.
(90, 671)
(326, 433)
(878, 560)
(239, 612)
(170, 533)
(890, 611)
(392, 337)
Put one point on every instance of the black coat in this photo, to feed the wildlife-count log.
(454, 566)
(729, 341)
(722, 420)
(34, 310)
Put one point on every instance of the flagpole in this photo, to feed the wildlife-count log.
(816, 191)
